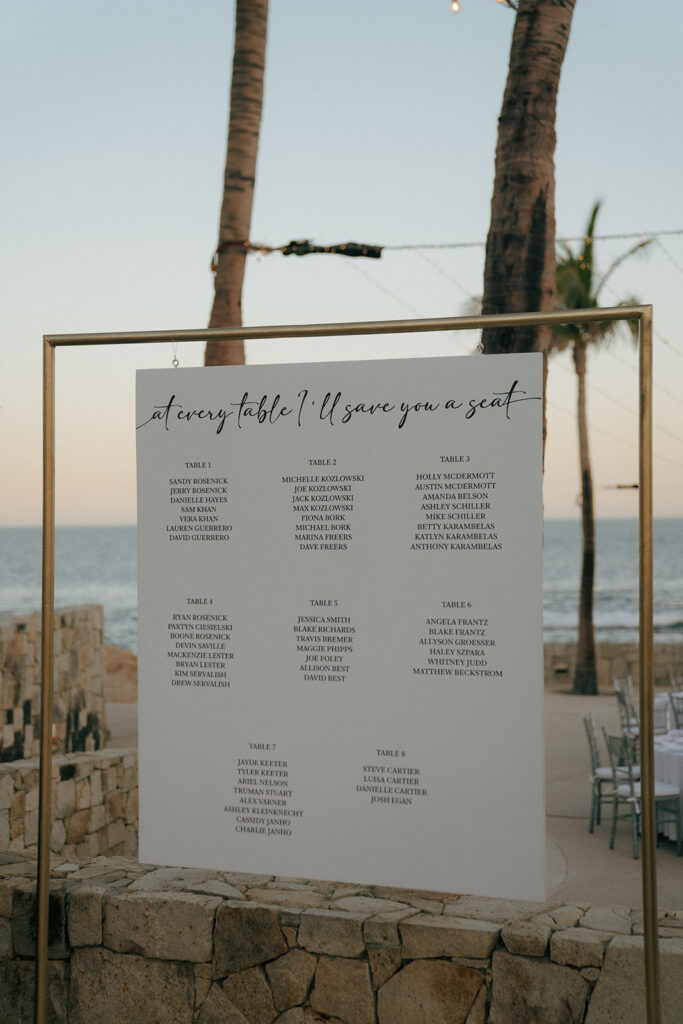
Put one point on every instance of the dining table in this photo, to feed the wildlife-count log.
(668, 757)
(661, 712)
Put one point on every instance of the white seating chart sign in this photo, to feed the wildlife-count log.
(340, 621)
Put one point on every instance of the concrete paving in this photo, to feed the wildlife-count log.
(122, 723)
(580, 867)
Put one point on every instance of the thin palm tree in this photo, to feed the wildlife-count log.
(246, 102)
(579, 287)
(519, 270)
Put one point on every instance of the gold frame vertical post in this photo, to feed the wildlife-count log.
(646, 709)
(47, 661)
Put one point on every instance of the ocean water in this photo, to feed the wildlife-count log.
(93, 565)
(616, 580)
(98, 564)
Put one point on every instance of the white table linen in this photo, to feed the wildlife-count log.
(668, 750)
(661, 713)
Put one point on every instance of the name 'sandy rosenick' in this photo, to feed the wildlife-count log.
(332, 408)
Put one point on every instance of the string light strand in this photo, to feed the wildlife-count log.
(657, 334)
(401, 302)
(513, 4)
(621, 405)
(624, 236)
(294, 247)
(595, 428)
(387, 291)
(439, 270)
(668, 255)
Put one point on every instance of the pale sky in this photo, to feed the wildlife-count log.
(379, 126)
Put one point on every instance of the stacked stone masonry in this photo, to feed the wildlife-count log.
(614, 661)
(131, 944)
(94, 804)
(79, 705)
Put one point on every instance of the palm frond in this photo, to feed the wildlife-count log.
(562, 337)
(471, 306)
(631, 325)
(568, 253)
(590, 230)
(619, 260)
(571, 287)
(576, 289)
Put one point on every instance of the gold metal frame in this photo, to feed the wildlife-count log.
(642, 314)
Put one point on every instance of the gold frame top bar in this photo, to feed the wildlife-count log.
(456, 323)
(641, 313)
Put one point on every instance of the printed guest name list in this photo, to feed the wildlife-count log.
(340, 600)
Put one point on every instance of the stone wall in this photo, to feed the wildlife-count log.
(79, 707)
(614, 662)
(94, 804)
(130, 943)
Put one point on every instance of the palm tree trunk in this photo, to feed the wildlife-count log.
(246, 101)
(519, 274)
(585, 674)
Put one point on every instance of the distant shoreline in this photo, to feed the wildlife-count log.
(98, 565)
(121, 667)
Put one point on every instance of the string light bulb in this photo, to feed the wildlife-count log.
(455, 5)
